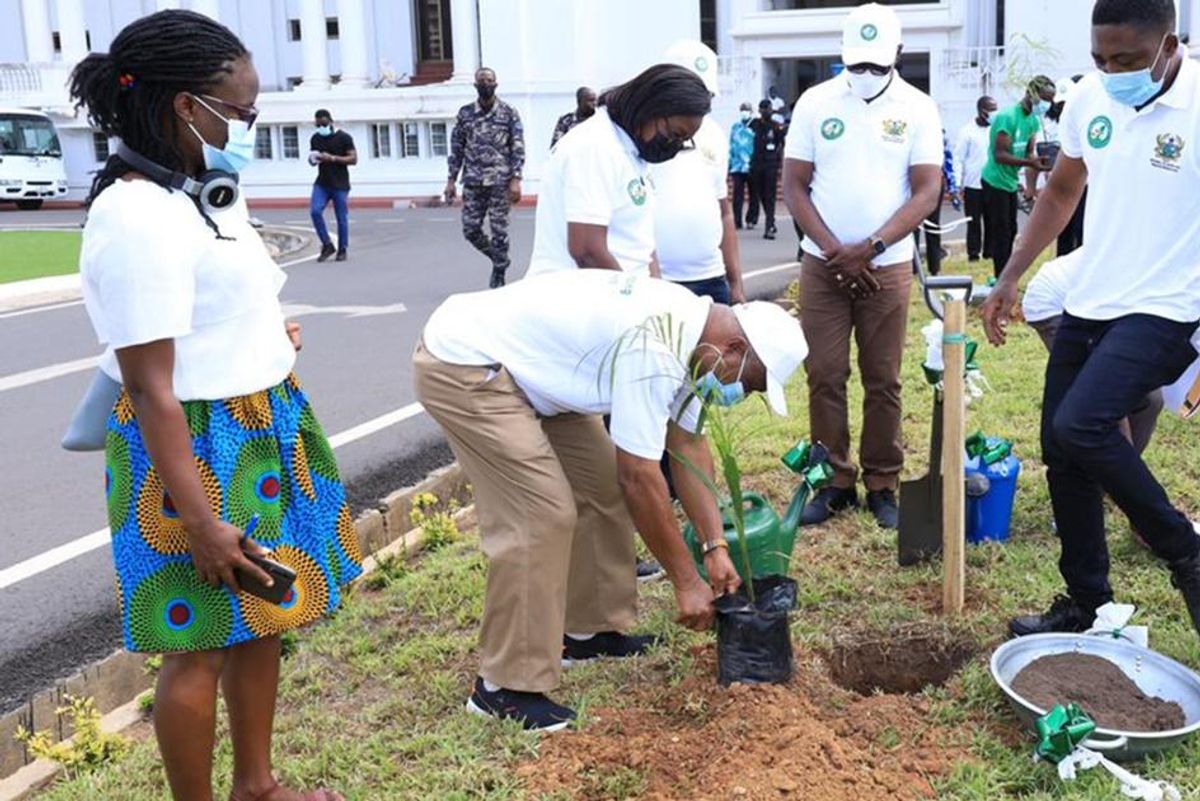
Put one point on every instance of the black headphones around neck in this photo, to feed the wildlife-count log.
(215, 190)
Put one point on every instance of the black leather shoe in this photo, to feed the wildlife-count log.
(882, 504)
(327, 250)
(827, 503)
(1185, 576)
(341, 256)
(769, 233)
(1065, 614)
(497, 279)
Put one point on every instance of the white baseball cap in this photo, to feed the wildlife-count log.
(871, 35)
(697, 57)
(777, 339)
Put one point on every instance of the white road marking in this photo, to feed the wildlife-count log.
(36, 309)
(28, 377)
(48, 560)
(789, 265)
(303, 309)
(294, 262)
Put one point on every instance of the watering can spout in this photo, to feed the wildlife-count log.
(811, 463)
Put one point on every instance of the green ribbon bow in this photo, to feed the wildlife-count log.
(990, 450)
(970, 348)
(796, 459)
(799, 461)
(1062, 729)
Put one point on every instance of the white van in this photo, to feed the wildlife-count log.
(31, 159)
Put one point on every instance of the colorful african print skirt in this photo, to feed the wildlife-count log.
(262, 454)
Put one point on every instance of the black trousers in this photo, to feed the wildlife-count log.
(764, 183)
(1000, 212)
(979, 236)
(1099, 372)
(933, 241)
(740, 181)
(1072, 236)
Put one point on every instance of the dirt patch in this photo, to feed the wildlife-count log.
(902, 661)
(696, 741)
(1101, 688)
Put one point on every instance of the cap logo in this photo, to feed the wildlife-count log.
(869, 32)
(701, 64)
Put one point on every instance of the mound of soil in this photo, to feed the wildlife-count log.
(1100, 688)
(805, 740)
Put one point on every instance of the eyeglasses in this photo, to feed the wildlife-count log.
(247, 114)
(874, 69)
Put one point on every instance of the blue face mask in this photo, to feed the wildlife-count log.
(1041, 107)
(239, 146)
(1135, 88)
(324, 130)
(713, 390)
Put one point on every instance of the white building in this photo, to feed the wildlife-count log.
(395, 72)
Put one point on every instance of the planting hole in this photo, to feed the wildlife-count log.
(902, 661)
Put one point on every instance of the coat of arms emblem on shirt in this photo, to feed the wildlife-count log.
(1167, 151)
(894, 130)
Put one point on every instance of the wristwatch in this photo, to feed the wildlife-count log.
(878, 246)
(708, 547)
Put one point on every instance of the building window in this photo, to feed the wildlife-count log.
(290, 135)
(708, 23)
(433, 30)
(100, 146)
(437, 139)
(293, 81)
(381, 140)
(410, 140)
(263, 147)
(56, 37)
(293, 30)
(331, 27)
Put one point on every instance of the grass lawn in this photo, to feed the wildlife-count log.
(37, 254)
(372, 701)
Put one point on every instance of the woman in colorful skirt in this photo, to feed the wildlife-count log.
(212, 430)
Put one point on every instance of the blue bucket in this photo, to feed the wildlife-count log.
(989, 516)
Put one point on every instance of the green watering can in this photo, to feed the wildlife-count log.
(768, 538)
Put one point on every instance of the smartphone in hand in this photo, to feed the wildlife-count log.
(284, 577)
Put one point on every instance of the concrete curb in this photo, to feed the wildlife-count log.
(116, 682)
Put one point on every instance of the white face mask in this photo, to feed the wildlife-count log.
(867, 85)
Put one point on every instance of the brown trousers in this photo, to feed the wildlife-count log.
(828, 316)
(552, 520)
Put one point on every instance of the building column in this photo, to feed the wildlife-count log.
(209, 8)
(39, 44)
(352, 42)
(72, 30)
(464, 39)
(312, 39)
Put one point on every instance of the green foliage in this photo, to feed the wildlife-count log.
(37, 254)
(436, 520)
(88, 749)
(1024, 58)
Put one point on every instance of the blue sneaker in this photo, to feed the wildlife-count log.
(605, 644)
(535, 711)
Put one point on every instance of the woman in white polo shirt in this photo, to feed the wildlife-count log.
(595, 206)
(212, 434)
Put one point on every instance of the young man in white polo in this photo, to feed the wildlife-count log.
(1130, 315)
(518, 378)
(862, 169)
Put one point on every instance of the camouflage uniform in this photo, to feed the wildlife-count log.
(488, 146)
(565, 123)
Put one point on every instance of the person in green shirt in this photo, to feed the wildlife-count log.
(1013, 140)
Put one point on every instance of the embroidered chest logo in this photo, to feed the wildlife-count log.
(1099, 132)
(868, 33)
(1167, 152)
(895, 131)
(832, 128)
(637, 191)
(701, 64)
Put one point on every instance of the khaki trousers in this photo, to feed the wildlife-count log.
(552, 520)
(828, 316)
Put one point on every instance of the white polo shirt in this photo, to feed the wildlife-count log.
(971, 154)
(585, 341)
(1141, 232)
(1045, 294)
(861, 154)
(687, 221)
(595, 176)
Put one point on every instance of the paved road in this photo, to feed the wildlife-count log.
(361, 319)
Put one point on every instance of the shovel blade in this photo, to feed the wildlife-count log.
(920, 535)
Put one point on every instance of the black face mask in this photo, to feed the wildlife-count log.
(658, 149)
(486, 91)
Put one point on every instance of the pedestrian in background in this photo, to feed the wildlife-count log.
(212, 430)
(488, 147)
(1012, 145)
(934, 252)
(741, 148)
(764, 165)
(585, 107)
(970, 157)
(596, 204)
(863, 168)
(331, 151)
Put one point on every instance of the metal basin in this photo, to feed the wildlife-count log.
(1153, 673)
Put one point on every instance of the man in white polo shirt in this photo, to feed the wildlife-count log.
(518, 378)
(1129, 135)
(970, 157)
(862, 169)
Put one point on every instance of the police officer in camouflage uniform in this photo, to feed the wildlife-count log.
(585, 107)
(488, 146)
